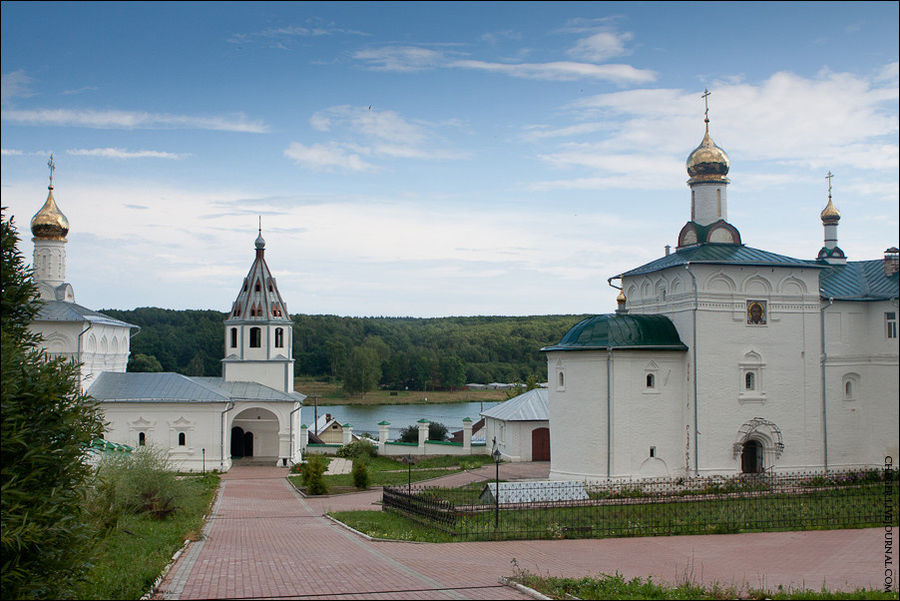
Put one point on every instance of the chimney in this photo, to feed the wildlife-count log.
(327, 417)
(668, 249)
(891, 261)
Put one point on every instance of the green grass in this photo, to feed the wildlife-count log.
(617, 587)
(383, 524)
(131, 556)
(833, 509)
(386, 471)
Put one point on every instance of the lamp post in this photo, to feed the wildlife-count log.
(496, 455)
(409, 474)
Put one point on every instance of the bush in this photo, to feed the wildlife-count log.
(312, 473)
(436, 431)
(360, 474)
(361, 448)
(136, 483)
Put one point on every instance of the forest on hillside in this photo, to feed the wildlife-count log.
(363, 352)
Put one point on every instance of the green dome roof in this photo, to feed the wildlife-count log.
(621, 331)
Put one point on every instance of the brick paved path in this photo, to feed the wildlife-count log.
(264, 540)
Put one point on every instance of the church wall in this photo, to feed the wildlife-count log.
(861, 400)
(274, 374)
(100, 348)
(577, 411)
(162, 422)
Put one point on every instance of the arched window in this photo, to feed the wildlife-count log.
(562, 380)
(233, 337)
(749, 381)
(142, 439)
(256, 286)
(279, 337)
(255, 338)
(182, 439)
(651, 381)
(848, 389)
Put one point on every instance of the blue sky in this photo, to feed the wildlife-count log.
(436, 159)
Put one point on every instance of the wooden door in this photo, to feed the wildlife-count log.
(540, 444)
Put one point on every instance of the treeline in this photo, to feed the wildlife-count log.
(363, 352)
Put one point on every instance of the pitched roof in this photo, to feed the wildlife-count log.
(636, 331)
(167, 387)
(721, 254)
(528, 406)
(859, 281)
(259, 299)
(65, 311)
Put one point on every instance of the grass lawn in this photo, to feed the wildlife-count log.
(131, 556)
(840, 507)
(385, 471)
(331, 393)
(616, 587)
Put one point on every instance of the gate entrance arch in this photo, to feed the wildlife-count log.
(255, 433)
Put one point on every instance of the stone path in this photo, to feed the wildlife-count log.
(265, 541)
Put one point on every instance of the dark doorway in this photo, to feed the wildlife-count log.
(751, 457)
(248, 444)
(540, 444)
(237, 442)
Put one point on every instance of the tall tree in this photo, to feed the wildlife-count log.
(46, 424)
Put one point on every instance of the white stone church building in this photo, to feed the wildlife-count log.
(724, 358)
(251, 411)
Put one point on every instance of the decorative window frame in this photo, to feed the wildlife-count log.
(854, 381)
(139, 426)
(651, 371)
(560, 377)
(182, 425)
(752, 363)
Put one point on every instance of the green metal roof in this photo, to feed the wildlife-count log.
(621, 331)
(858, 280)
(721, 254)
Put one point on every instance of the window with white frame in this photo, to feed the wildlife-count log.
(890, 324)
(751, 370)
(850, 386)
(651, 378)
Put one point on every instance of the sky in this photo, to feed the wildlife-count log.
(436, 159)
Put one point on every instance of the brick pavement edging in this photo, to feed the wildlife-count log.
(523, 589)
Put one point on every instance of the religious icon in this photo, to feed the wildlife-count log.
(756, 312)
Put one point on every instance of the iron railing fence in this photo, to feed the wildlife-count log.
(654, 507)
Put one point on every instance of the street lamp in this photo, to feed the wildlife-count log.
(495, 453)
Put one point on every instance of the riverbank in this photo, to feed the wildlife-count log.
(330, 393)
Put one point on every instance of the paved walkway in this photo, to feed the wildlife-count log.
(265, 540)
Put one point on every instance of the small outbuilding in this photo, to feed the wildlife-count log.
(521, 427)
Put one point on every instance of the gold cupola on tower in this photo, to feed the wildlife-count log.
(49, 223)
(708, 162)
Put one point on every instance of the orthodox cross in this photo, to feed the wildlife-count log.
(705, 98)
(52, 166)
(828, 177)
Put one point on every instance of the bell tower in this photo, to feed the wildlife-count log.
(258, 330)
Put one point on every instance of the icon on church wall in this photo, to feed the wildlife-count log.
(756, 312)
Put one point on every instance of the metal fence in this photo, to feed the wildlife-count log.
(657, 507)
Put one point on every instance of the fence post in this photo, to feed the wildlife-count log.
(423, 434)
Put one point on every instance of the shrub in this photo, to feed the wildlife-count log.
(361, 448)
(436, 431)
(142, 482)
(312, 473)
(360, 474)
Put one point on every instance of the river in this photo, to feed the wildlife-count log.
(365, 418)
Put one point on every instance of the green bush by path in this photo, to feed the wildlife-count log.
(360, 474)
(312, 473)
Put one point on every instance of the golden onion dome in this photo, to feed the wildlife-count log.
(49, 223)
(830, 214)
(707, 162)
(620, 299)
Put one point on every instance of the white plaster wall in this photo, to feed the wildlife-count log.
(513, 437)
(706, 206)
(274, 374)
(61, 339)
(161, 423)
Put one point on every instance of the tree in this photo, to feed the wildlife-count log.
(362, 371)
(436, 431)
(46, 423)
(141, 362)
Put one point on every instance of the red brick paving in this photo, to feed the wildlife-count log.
(265, 541)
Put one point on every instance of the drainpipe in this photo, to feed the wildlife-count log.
(78, 358)
(291, 420)
(222, 435)
(696, 387)
(608, 412)
(824, 359)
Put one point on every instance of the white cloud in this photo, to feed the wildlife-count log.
(400, 58)
(10, 152)
(15, 84)
(79, 90)
(601, 46)
(320, 157)
(114, 119)
(120, 153)
(563, 71)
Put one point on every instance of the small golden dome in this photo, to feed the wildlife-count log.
(621, 298)
(708, 162)
(49, 223)
(830, 215)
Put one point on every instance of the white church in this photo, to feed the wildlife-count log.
(724, 359)
(251, 411)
